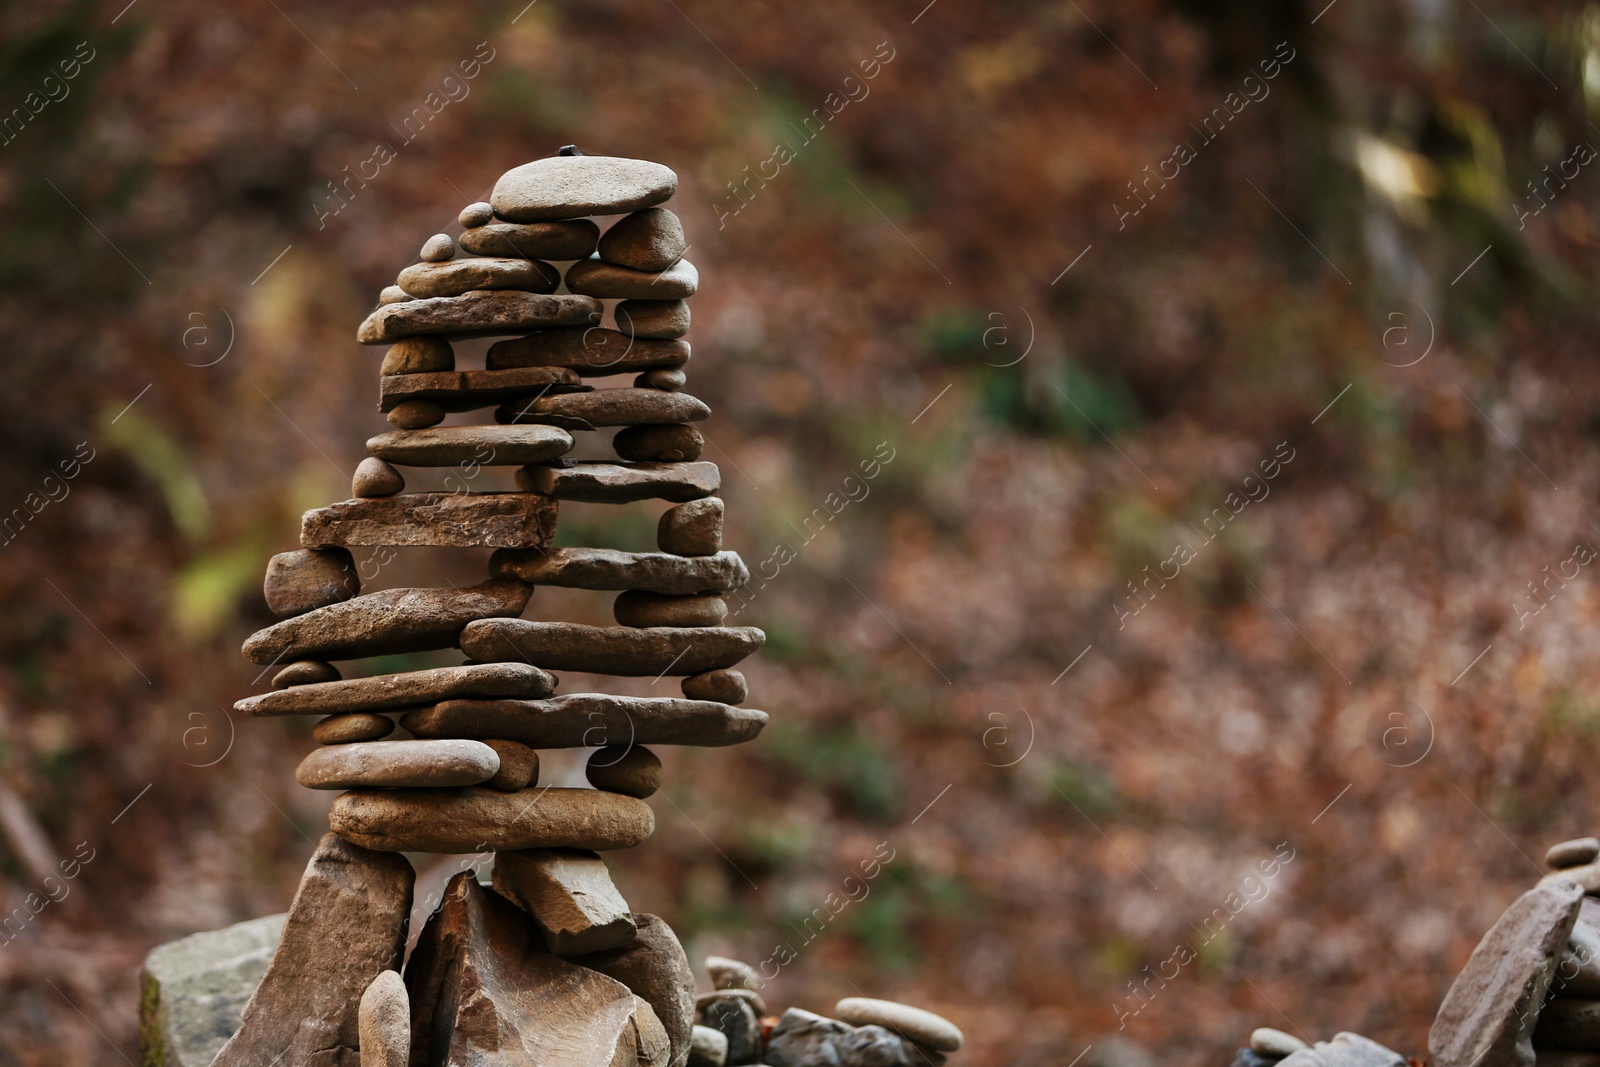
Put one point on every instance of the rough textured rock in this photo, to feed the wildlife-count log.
(390, 691)
(1574, 853)
(387, 622)
(655, 968)
(570, 646)
(456, 821)
(305, 672)
(350, 728)
(385, 1022)
(589, 720)
(1345, 1050)
(641, 609)
(192, 991)
(437, 248)
(915, 1024)
(457, 520)
(659, 444)
(609, 407)
(649, 240)
(572, 239)
(480, 313)
(569, 187)
(1275, 1043)
(570, 897)
(631, 770)
(592, 351)
(707, 1048)
(652, 318)
(723, 687)
(728, 973)
(346, 926)
(592, 277)
(375, 478)
(416, 414)
(621, 483)
(692, 529)
(302, 581)
(464, 275)
(427, 764)
(418, 355)
(482, 446)
(736, 1021)
(1488, 1015)
(607, 568)
(519, 765)
(483, 994)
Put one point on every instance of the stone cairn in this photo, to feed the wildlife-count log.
(547, 965)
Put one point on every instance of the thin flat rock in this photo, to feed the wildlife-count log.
(611, 569)
(923, 1027)
(572, 239)
(593, 277)
(592, 352)
(457, 276)
(398, 765)
(599, 482)
(569, 187)
(386, 692)
(387, 622)
(620, 650)
(474, 819)
(485, 446)
(480, 313)
(468, 390)
(590, 720)
(453, 520)
(615, 407)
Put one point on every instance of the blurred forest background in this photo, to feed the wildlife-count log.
(1077, 342)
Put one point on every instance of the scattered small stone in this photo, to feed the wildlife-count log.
(570, 896)
(666, 443)
(631, 770)
(620, 650)
(652, 318)
(486, 446)
(1270, 1042)
(416, 414)
(692, 529)
(569, 187)
(654, 967)
(480, 313)
(573, 239)
(385, 1022)
(519, 766)
(393, 294)
(667, 380)
(707, 1048)
(738, 1023)
(609, 568)
(593, 351)
(621, 483)
(418, 355)
(457, 520)
(478, 214)
(458, 821)
(723, 687)
(915, 1024)
(607, 407)
(438, 248)
(308, 579)
(387, 692)
(1574, 853)
(584, 720)
(398, 765)
(349, 727)
(594, 277)
(459, 276)
(728, 973)
(649, 240)
(640, 609)
(375, 478)
(306, 672)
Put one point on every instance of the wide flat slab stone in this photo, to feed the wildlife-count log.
(599, 482)
(609, 568)
(570, 897)
(594, 277)
(454, 520)
(483, 446)
(459, 821)
(398, 765)
(611, 407)
(192, 991)
(568, 187)
(592, 352)
(590, 720)
(480, 313)
(385, 692)
(467, 390)
(621, 650)
(387, 622)
(572, 239)
(456, 276)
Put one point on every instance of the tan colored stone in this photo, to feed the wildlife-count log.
(572, 239)
(632, 770)
(305, 672)
(621, 650)
(656, 969)
(570, 187)
(590, 720)
(437, 248)
(649, 240)
(606, 407)
(480, 313)
(669, 380)
(692, 529)
(519, 766)
(569, 895)
(389, 692)
(609, 568)
(914, 1024)
(456, 520)
(392, 294)
(726, 973)
(419, 355)
(385, 1022)
(484, 446)
(375, 478)
(478, 214)
(458, 821)
(305, 580)
(592, 277)
(471, 389)
(416, 414)
(348, 727)
(592, 351)
(652, 318)
(668, 443)
(458, 276)
(398, 765)
(621, 483)
(641, 609)
(724, 687)
(707, 1048)
(1574, 853)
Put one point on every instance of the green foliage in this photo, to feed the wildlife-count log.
(1083, 786)
(839, 758)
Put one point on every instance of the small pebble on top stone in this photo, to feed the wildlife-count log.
(419, 355)
(306, 672)
(723, 687)
(393, 294)
(631, 770)
(438, 248)
(351, 727)
(1574, 853)
(1275, 1043)
(374, 477)
(662, 378)
(479, 214)
(416, 414)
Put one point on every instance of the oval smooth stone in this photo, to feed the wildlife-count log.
(923, 1027)
(457, 821)
(352, 727)
(398, 765)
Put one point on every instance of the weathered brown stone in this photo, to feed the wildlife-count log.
(468, 390)
(483, 994)
(621, 483)
(606, 407)
(398, 765)
(692, 529)
(385, 1022)
(392, 294)
(480, 313)
(592, 351)
(480, 213)
(302, 581)
(456, 520)
(383, 623)
(484, 446)
(416, 414)
(590, 720)
(437, 248)
(632, 770)
(656, 969)
(571, 239)
(661, 378)
(570, 646)
(473, 819)
(592, 277)
(638, 608)
(659, 444)
(609, 568)
(305, 672)
(570, 187)
(375, 478)
(570, 897)
(348, 727)
(390, 691)
(346, 926)
(419, 355)
(652, 318)
(1574, 853)
(459, 276)
(649, 240)
(519, 765)
(724, 687)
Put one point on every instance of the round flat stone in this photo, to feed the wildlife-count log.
(476, 214)
(692, 529)
(652, 318)
(519, 766)
(459, 276)
(459, 821)
(597, 278)
(669, 380)
(1275, 1043)
(914, 1024)
(418, 355)
(306, 672)
(375, 478)
(638, 608)
(393, 294)
(416, 414)
(648, 240)
(723, 687)
(398, 765)
(572, 239)
(659, 443)
(438, 248)
(1574, 853)
(351, 727)
(631, 770)
(568, 187)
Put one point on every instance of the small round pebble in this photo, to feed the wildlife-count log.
(726, 973)
(309, 578)
(376, 477)
(639, 608)
(914, 1024)
(479, 214)
(668, 381)
(416, 414)
(652, 318)
(631, 770)
(724, 687)
(419, 355)
(1275, 1043)
(692, 529)
(438, 248)
(306, 672)
(708, 1047)
(660, 443)
(393, 294)
(519, 766)
(1574, 853)
(352, 726)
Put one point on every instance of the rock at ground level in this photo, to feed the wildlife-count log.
(655, 968)
(1345, 1050)
(736, 1021)
(192, 991)
(385, 1015)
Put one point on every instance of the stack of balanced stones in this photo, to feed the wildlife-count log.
(461, 775)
